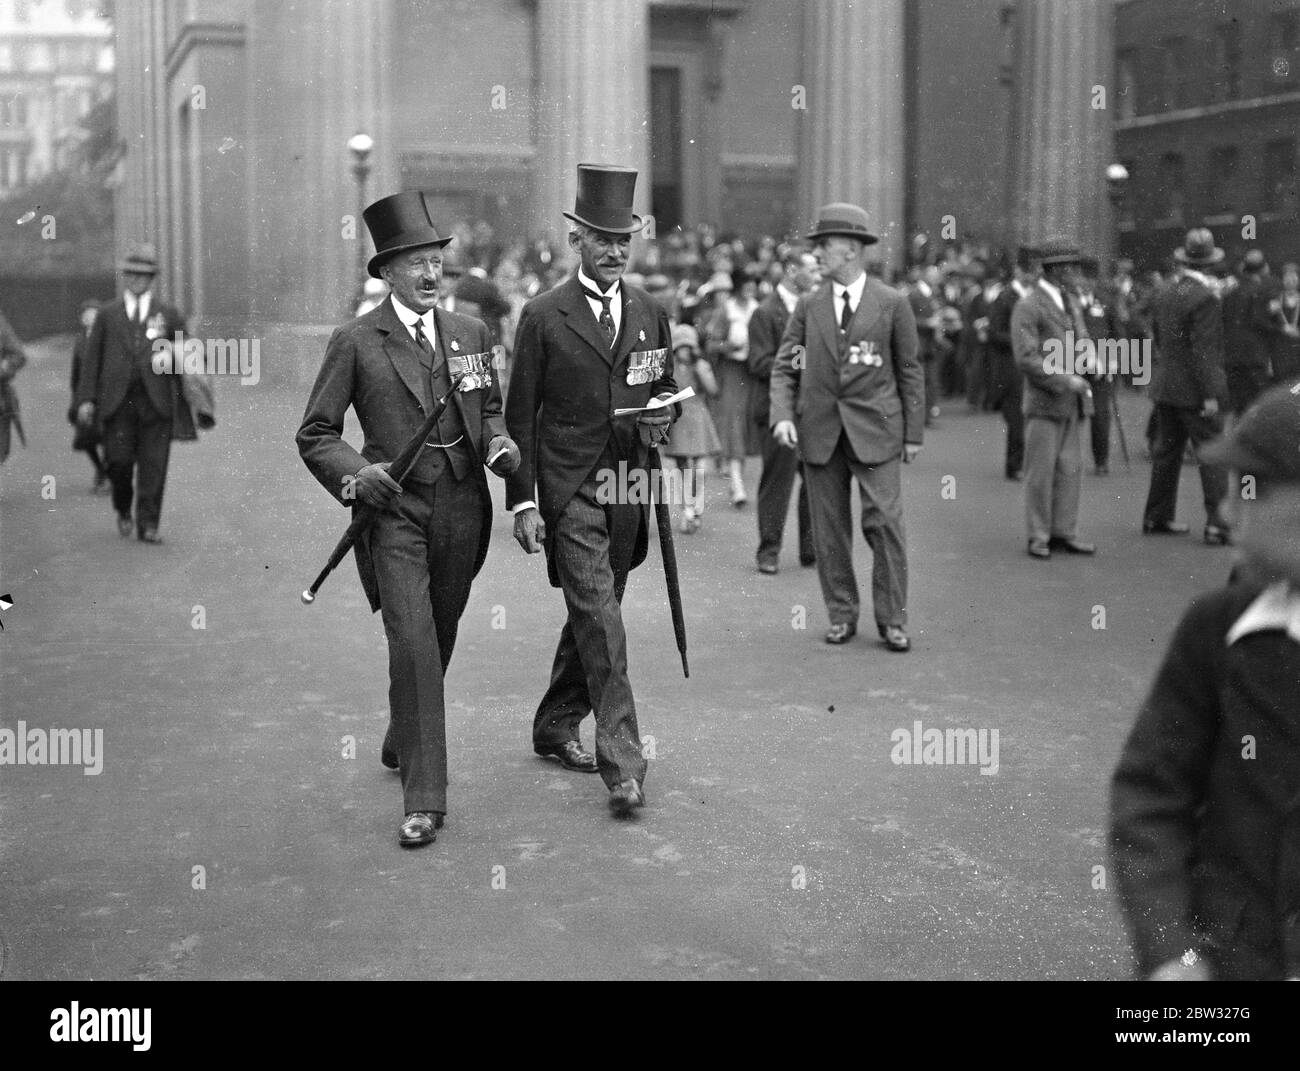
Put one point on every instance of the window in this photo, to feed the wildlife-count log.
(1173, 72)
(1280, 177)
(1126, 68)
(1284, 43)
(1170, 190)
(1227, 61)
(1224, 164)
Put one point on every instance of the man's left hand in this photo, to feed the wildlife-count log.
(506, 464)
(654, 426)
(910, 452)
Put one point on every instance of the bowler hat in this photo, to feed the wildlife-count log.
(1058, 251)
(1254, 262)
(1265, 442)
(1198, 249)
(398, 222)
(844, 219)
(142, 259)
(604, 198)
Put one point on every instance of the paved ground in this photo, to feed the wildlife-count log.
(224, 748)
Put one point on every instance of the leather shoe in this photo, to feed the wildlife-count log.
(1217, 536)
(418, 829)
(807, 559)
(388, 759)
(1039, 549)
(1164, 528)
(896, 639)
(571, 755)
(124, 525)
(767, 568)
(626, 797)
(150, 535)
(1071, 546)
(838, 634)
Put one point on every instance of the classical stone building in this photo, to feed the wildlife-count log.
(975, 115)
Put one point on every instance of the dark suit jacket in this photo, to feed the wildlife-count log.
(766, 327)
(1005, 376)
(1245, 323)
(373, 365)
(1035, 321)
(879, 407)
(1189, 336)
(1206, 842)
(564, 387)
(115, 345)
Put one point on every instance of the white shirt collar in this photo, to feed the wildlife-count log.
(591, 284)
(132, 301)
(788, 297)
(854, 290)
(1020, 288)
(410, 318)
(1203, 279)
(1277, 607)
(1054, 292)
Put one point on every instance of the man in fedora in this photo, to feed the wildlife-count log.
(1045, 325)
(135, 407)
(1189, 388)
(848, 391)
(591, 345)
(419, 558)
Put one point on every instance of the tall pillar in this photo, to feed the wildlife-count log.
(303, 249)
(592, 100)
(852, 129)
(1064, 61)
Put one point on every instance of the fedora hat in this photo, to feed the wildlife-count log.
(604, 199)
(1058, 251)
(142, 259)
(1198, 249)
(845, 219)
(398, 222)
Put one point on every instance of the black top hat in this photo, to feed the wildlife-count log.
(1198, 249)
(1059, 251)
(604, 199)
(398, 222)
(842, 218)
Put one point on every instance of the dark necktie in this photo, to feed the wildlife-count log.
(422, 340)
(1074, 305)
(606, 317)
(846, 316)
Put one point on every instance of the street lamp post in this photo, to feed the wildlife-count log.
(360, 145)
(1116, 186)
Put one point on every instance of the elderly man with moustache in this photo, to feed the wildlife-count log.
(418, 560)
(848, 391)
(591, 345)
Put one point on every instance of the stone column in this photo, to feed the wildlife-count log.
(852, 130)
(303, 251)
(592, 101)
(1064, 61)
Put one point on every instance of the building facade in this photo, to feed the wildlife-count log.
(56, 63)
(1207, 124)
(967, 118)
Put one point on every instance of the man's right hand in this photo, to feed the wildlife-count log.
(374, 487)
(1079, 385)
(86, 414)
(530, 530)
(785, 434)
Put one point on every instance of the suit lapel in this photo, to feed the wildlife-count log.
(404, 354)
(866, 314)
(632, 327)
(578, 316)
(823, 314)
(446, 336)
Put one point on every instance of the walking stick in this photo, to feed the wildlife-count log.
(402, 466)
(1119, 425)
(664, 521)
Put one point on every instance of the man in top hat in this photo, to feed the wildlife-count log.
(136, 408)
(1189, 388)
(1203, 826)
(589, 346)
(419, 558)
(848, 391)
